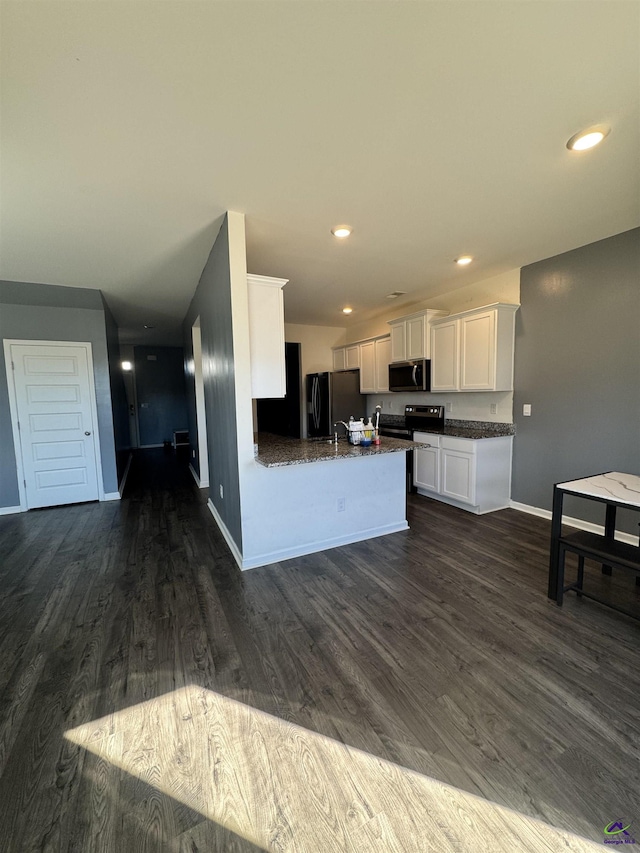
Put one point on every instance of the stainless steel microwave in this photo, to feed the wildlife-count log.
(410, 375)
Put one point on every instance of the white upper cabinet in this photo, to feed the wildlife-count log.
(367, 367)
(374, 365)
(266, 336)
(346, 358)
(383, 357)
(410, 339)
(339, 359)
(444, 356)
(352, 356)
(473, 351)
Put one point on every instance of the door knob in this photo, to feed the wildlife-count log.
(87, 433)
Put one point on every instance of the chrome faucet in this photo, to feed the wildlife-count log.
(335, 434)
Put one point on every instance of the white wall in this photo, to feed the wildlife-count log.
(316, 355)
(499, 288)
(316, 343)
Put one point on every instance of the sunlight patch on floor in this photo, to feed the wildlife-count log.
(284, 787)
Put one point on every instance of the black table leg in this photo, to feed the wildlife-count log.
(554, 551)
(609, 530)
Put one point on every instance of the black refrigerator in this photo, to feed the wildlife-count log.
(333, 397)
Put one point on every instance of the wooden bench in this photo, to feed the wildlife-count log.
(591, 546)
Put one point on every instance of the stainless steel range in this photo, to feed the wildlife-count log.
(424, 418)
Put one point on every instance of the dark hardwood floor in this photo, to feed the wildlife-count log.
(126, 630)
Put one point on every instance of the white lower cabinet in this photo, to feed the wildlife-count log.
(426, 468)
(473, 474)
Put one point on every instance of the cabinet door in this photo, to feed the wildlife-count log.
(458, 475)
(444, 356)
(426, 468)
(339, 362)
(415, 345)
(352, 357)
(398, 345)
(367, 368)
(383, 357)
(266, 336)
(478, 352)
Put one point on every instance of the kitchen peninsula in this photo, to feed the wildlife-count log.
(305, 496)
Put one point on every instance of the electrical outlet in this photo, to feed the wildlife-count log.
(221, 492)
(493, 408)
(526, 410)
(449, 407)
(341, 504)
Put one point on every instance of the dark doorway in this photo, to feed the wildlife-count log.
(282, 416)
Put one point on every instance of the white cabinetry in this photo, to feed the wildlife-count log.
(346, 358)
(410, 338)
(367, 367)
(426, 462)
(266, 335)
(374, 365)
(372, 358)
(339, 359)
(383, 357)
(458, 468)
(473, 351)
(473, 474)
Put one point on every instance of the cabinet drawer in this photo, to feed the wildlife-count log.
(428, 438)
(462, 445)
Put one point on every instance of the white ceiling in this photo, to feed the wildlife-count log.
(433, 128)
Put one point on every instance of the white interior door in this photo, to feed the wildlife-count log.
(54, 410)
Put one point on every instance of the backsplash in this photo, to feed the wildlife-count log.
(486, 426)
(475, 406)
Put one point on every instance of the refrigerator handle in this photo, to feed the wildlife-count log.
(316, 402)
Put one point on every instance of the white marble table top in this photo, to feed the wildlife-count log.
(614, 486)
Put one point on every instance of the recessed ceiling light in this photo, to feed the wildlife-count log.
(396, 293)
(464, 259)
(341, 231)
(588, 138)
(347, 310)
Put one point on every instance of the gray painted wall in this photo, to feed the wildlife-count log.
(35, 312)
(160, 392)
(212, 303)
(578, 364)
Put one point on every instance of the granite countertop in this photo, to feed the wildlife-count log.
(460, 428)
(275, 451)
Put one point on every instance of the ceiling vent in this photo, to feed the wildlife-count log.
(396, 293)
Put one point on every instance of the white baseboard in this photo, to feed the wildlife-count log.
(111, 496)
(228, 538)
(578, 523)
(201, 484)
(10, 510)
(123, 481)
(299, 550)
(323, 545)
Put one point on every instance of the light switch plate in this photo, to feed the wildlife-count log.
(526, 410)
